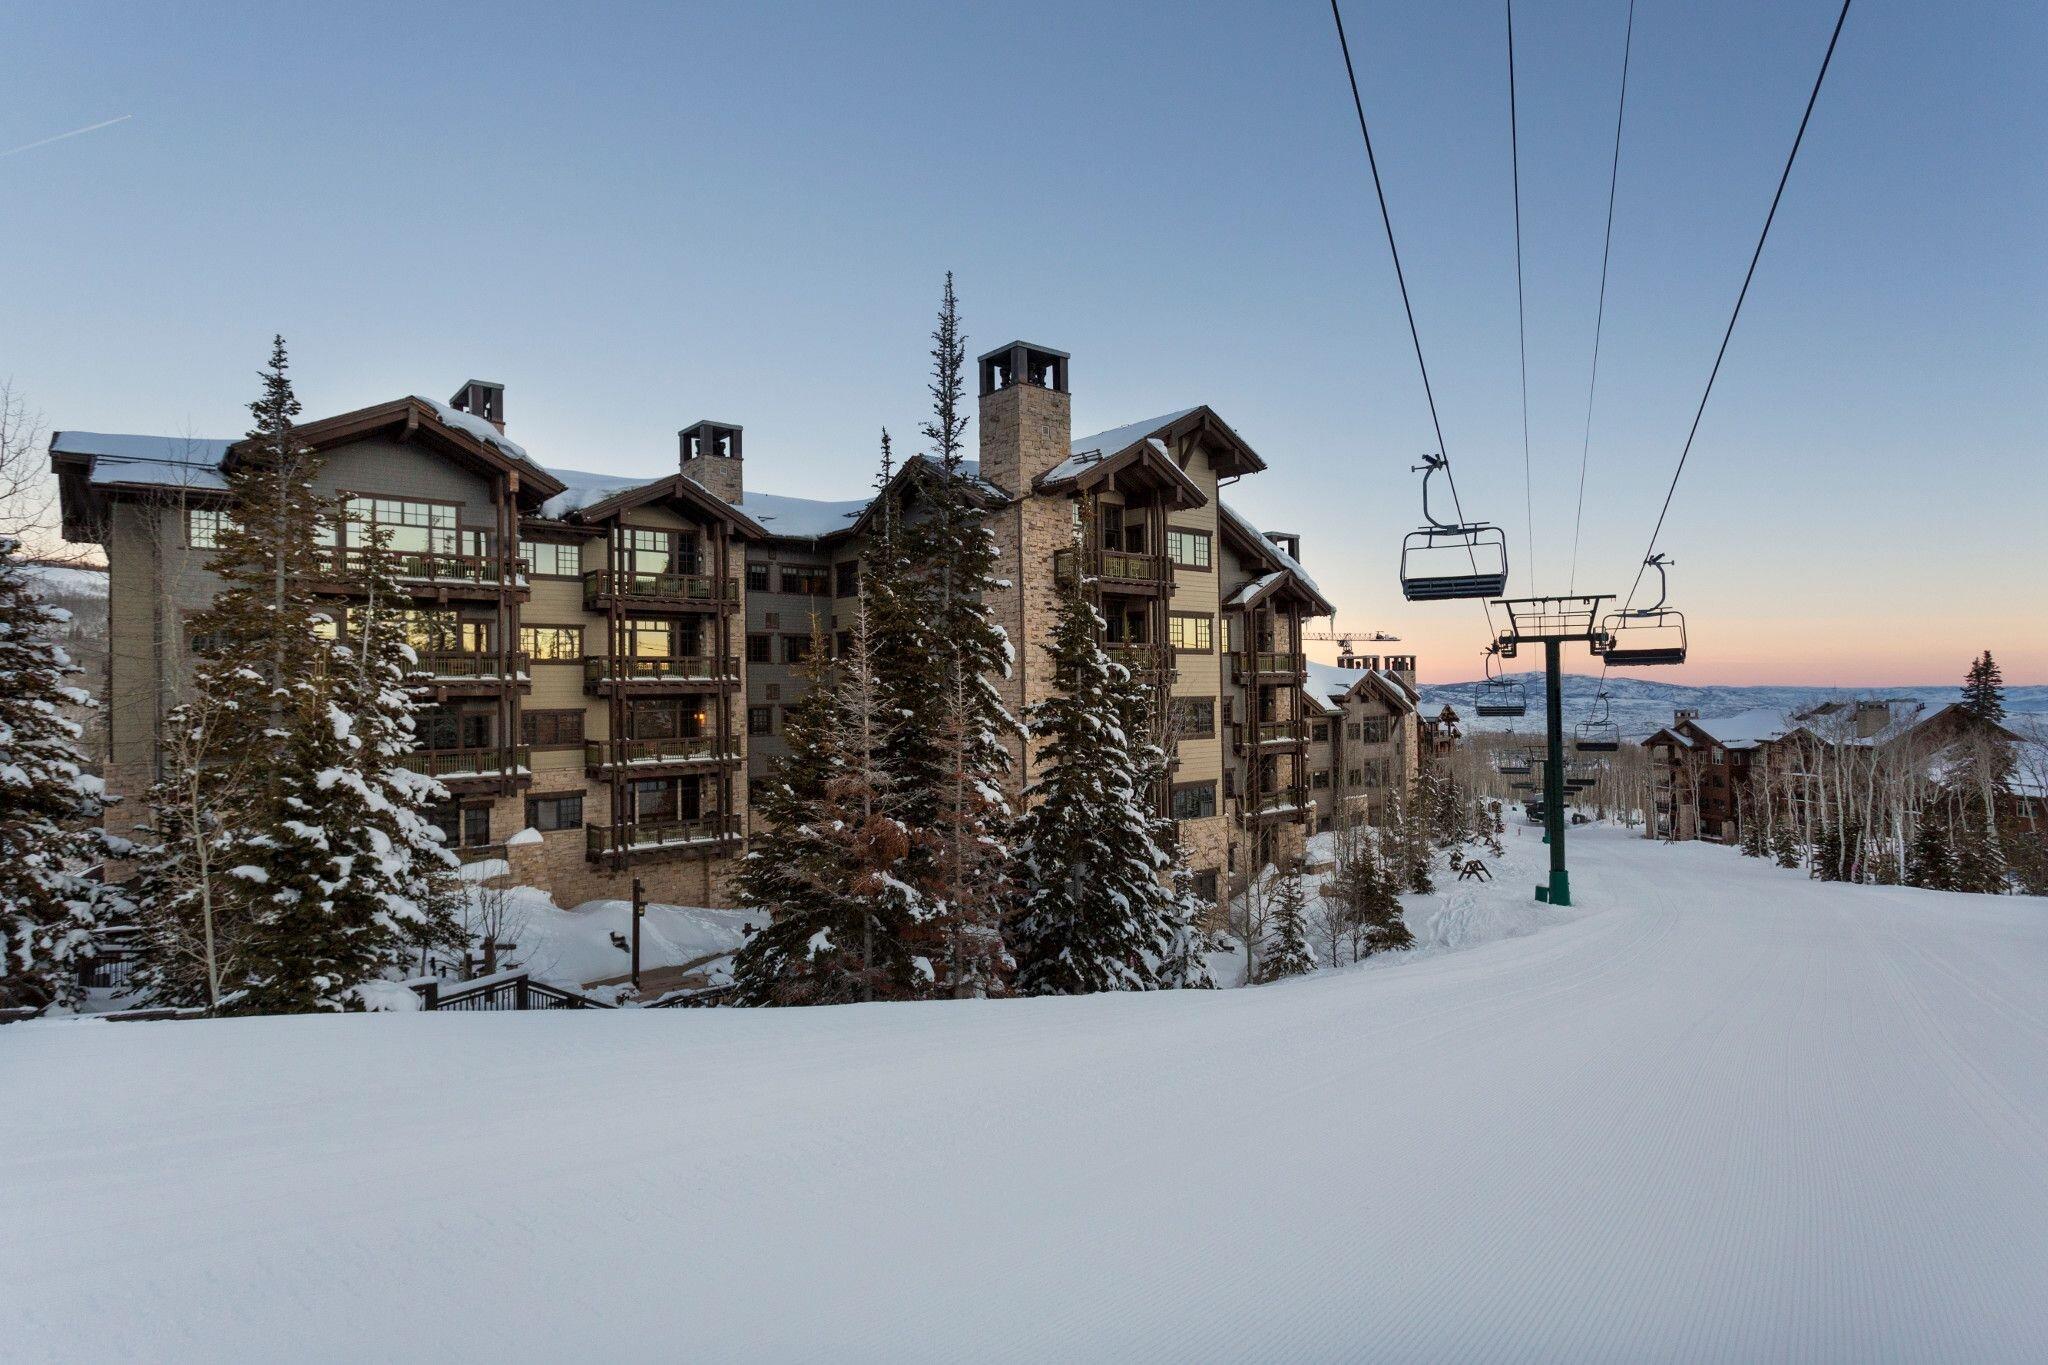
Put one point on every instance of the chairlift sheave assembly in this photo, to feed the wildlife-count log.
(1647, 635)
(1451, 559)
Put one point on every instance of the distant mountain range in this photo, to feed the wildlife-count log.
(1640, 707)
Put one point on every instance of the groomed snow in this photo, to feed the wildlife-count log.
(1713, 1112)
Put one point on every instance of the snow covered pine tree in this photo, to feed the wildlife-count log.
(1094, 914)
(50, 911)
(1287, 952)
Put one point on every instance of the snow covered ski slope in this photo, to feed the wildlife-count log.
(1716, 1112)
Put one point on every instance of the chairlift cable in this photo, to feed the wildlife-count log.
(1521, 302)
(1600, 312)
(1400, 278)
(1743, 294)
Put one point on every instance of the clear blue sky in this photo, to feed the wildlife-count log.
(636, 218)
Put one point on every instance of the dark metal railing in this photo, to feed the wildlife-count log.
(518, 992)
(659, 587)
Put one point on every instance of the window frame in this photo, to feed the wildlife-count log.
(1207, 623)
(573, 548)
(1207, 541)
(534, 656)
(530, 728)
(1181, 789)
(1181, 704)
(760, 722)
(757, 568)
(557, 800)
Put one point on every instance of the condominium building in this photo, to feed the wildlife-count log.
(607, 660)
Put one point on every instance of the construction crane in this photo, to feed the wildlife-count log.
(1343, 638)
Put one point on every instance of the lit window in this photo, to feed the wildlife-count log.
(1188, 549)
(552, 644)
(1191, 634)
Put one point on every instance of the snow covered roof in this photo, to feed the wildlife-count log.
(1748, 729)
(1328, 683)
(581, 489)
(165, 461)
(1276, 553)
(1086, 450)
(1257, 588)
(472, 425)
(802, 517)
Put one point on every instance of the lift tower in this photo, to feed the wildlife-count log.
(1554, 622)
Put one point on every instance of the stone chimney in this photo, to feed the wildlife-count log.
(711, 456)
(1027, 414)
(482, 398)
(1289, 541)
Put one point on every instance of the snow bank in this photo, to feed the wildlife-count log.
(1720, 1113)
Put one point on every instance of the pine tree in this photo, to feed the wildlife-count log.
(257, 712)
(845, 923)
(1287, 952)
(1368, 884)
(391, 870)
(1754, 841)
(51, 912)
(1984, 689)
(1093, 914)
(1785, 843)
(1930, 862)
(938, 653)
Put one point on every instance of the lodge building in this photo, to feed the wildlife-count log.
(606, 660)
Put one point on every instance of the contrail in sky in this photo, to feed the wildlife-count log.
(89, 128)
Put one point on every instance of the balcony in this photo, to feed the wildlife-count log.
(657, 757)
(659, 591)
(1269, 667)
(1288, 803)
(1282, 732)
(1115, 570)
(423, 573)
(1150, 662)
(462, 670)
(661, 838)
(648, 675)
(495, 766)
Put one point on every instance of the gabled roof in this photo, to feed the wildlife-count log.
(1170, 429)
(1338, 685)
(679, 488)
(1249, 541)
(1146, 464)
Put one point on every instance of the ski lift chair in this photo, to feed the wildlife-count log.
(1498, 696)
(1451, 559)
(1597, 733)
(1648, 635)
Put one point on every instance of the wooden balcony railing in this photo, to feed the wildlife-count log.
(632, 668)
(605, 753)
(423, 566)
(640, 836)
(1141, 658)
(464, 664)
(1287, 798)
(1282, 732)
(686, 588)
(487, 762)
(1112, 566)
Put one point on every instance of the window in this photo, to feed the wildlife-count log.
(203, 526)
(552, 729)
(1378, 729)
(413, 527)
(757, 576)
(1188, 549)
(1194, 717)
(546, 813)
(476, 826)
(1320, 779)
(760, 720)
(1353, 731)
(806, 581)
(1194, 800)
(1205, 885)
(1354, 777)
(758, 648)
(552, 644)
(1191, 634)
(846, 578)
(796, 648)
(772, 692)
(551, 558)
(1319, 732)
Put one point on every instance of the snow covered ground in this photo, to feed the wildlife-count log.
(1715, 1111)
